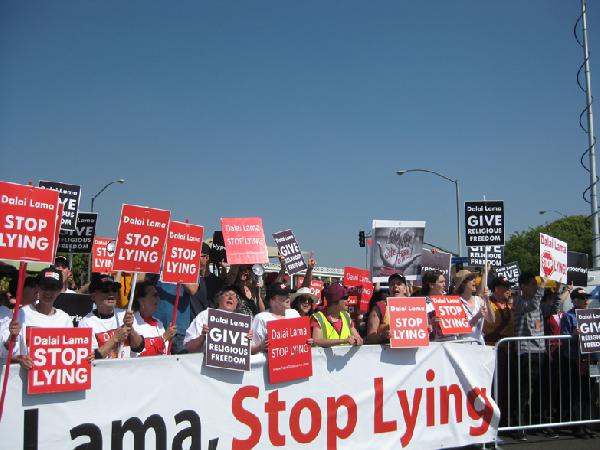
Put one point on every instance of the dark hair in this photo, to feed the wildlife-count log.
(461, 288)
(525, 278)
(397, 276)
(429, 277)
(140, 291)
(377, 297)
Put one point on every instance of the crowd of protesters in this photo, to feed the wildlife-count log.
(494, 309)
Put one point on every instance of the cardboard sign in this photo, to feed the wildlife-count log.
(103, 251)
(244, 240)
(141, 239)
(484, 223)
(290, 357)
(316, 288)
(28, 218)
(577, 268)
(397, 247)
(553, 258)
(588, 322)
(511, 272)
(217, 249)
(69, 196)
(289, 249)
(435, 261)
(227, 343)
(408, 322)
(495, 255)
(82, 239)
(60, 361)
(182, 254)
(452, 315)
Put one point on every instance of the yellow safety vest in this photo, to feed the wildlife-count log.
(327, 329)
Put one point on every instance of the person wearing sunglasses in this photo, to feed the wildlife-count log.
(303, 301)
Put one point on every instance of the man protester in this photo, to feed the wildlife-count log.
(61, 263)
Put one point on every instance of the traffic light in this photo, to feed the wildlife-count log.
(361, 238)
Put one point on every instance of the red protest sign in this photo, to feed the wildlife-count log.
(102, 255)
(408, 322)
(28, 220)
(316, 288)
(452, 315)
(352, 276)
(363, 291)
(290, 356)
(141, 239)
(60, 360)
(182, 254)
(244, 240)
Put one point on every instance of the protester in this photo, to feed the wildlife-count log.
(303, 301)
(246, 284)
(501, 308)
(145, 302)
(195, 336)
(378, 326)
(278, 297)
(61, 263)
(476, 307)
(112, 328)
(333, 326)
(202, 294)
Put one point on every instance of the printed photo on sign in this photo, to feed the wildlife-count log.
(60, 360)
(227, 343)
(553, 258)
(588, 322)
(511, 272)
(451, 314)
(102, 255)
(495, 255)
(439, 261)
(408, 322)
(396, 248)
(70, 195)
(577, 268)
(28, 223)
(141, 239)
(290, 251)
(289, 355)
(484, 223)
(182, 253)
(244, 240)
(81, 239)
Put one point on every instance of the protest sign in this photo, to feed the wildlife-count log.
(588, 322)
(28, 220)
(77, 306)
(435, 261)
(577, 268)
(81, 239)
(361, 291)
(484, 223)
(316, 288)
(397, 247)
(244, 240)
(290, 251)
(182, 253)
(553, 258)
(452, 315)
(495, 255)
(60, 360)
(408, 322)
(217, 249)
(227, 343)
(69, 195)
(289, 355)
(141, 239)
(511, 272)
(103, 251)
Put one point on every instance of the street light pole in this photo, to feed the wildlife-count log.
(457, 189)
(552, 210)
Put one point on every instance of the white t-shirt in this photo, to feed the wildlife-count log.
(195, 329)
(477, 333)
(259, 324)
(153, 331)
(5, 318)
(30, 317)
(103, 330)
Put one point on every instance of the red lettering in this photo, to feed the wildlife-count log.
(445, 392)
(333, 432)
(485, 414)
(430, 399)
(273, 407)
(315, 420)
(410, 418)
(380, 425)
(246, 417)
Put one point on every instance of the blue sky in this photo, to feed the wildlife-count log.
(299, 112)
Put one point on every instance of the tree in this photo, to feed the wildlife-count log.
(524, 246)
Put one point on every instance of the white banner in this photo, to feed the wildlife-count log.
(370, 397)
(553, 258)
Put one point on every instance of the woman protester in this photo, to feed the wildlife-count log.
(303, 301)
(333, 326)
(378, 327)
(476, 307)
(195, 336)
(145, 303)
(243, 281)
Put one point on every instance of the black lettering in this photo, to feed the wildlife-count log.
(90, 430)
(193, 431)
(139, 430)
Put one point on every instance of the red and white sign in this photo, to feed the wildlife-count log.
(361, 279)
(316, 288)
(102, 255)
(408, 322)
(553, 258)
(290, 356)
(141, 239)
(182, 255)
(453, 318)
(28, 220)
(60, 360)
(244, 240)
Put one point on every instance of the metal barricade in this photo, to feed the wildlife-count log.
(553, 387)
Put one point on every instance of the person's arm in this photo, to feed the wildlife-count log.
(354, 333)
(136, 341)
(195, 345)
(309, 270)
(280, 276)
(190, 288)
(373, 336)
(119, 336)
